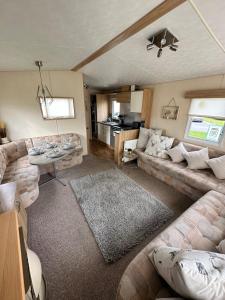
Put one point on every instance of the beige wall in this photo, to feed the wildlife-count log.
(163, 94)
(20, 109)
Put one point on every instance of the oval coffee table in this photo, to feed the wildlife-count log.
(43, 159)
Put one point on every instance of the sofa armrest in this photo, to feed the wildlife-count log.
(140, 280)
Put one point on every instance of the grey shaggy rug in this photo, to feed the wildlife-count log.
(119, 212)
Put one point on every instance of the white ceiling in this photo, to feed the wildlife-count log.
(62, 33)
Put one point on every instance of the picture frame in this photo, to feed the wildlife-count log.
(169, 112)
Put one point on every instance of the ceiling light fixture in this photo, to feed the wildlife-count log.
(161, 40)
(43, 90)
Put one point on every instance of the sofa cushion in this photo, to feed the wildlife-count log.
(191, 273)
(221, 247)
(203, 180)
(26, 176)
(15, 150)
(144, 135)
(7, 196)
(197, 159)
(53, 139)
(158, 145)
(218, 166)
(177, 153)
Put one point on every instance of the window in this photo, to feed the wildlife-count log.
(115, 108)
(206, 120)
(57, 108)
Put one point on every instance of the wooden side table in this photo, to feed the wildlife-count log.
(11, 268)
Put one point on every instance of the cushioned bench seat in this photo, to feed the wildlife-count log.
(15, 166)
(202, 180)
(26, 176)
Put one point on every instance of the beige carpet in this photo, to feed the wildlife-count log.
(72, 263)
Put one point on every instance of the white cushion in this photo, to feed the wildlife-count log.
(7, 196)
(158, 145)
(218, 166)
(197, 159)
(177, 153)
(191, 273)
(221, 247)
(35, 272)
(145, 134)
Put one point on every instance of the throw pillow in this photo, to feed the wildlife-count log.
(221, 247)
(7, 196)
(218, 166)
(177, 153)
(197, 159)
(191, 273)
(144, 136)
(158, 145)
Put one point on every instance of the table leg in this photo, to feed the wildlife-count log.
(53, 176)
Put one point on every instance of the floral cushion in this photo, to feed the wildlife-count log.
(158, 145)
(192, 273)
(144, 136)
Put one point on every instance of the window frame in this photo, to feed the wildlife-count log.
(58, 118)
(200, 141)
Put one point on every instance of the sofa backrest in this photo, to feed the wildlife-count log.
(58, 139)
(10, 152)
(15, 150)
(192, 147)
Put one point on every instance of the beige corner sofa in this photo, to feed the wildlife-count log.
(15, 166)
(200, 227)
(193, 183)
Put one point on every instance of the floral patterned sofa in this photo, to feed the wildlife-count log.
(200, 227)
(15, 166)
(193, 183)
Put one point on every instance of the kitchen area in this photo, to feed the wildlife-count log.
(117, 115)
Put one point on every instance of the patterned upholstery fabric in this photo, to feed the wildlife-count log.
(179, 176)
(18, 169)
(67, 162)
(15, 166)
(201, 227)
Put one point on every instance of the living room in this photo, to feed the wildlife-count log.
(112, 150)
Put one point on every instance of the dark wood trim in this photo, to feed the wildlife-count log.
(213, 93)
(156, 13)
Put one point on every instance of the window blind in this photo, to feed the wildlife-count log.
(213, 107)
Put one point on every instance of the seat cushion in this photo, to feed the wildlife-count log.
(26, 176)
(203, 180)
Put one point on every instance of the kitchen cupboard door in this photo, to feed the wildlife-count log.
(102, 103)
(107, 134)
(100, 132)
(136, 101)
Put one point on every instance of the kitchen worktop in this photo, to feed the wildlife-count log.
(121, 126)
(109, 123)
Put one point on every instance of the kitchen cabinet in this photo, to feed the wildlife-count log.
(102, 107)
(136, 101)
(123, 97)
(104, 133)
(141, 102)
